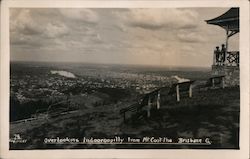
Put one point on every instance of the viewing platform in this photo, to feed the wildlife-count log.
(226, 63)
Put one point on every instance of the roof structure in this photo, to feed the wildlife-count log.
(229, 20)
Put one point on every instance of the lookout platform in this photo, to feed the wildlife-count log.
(226, 63)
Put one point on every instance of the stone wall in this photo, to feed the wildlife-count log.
(232, 74)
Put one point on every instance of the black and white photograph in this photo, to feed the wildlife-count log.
(125, 78)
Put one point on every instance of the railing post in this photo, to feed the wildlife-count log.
(177, 93)
(223, 82)
(212, 82)
(149, 106)
(190, 90)
(214, 58)
(158, 100)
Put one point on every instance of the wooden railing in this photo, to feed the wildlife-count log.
(177, 89)
(154, 96)
(231, 58)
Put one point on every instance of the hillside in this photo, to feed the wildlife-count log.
(212, 114)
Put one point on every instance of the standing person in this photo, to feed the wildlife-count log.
(216, 55)
(223, 52)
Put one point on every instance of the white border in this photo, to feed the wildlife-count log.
(119, 153)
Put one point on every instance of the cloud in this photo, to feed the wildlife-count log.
(121, 27)
(190, 37)
(167, 36)
(160, 18)
(25, 41)
(22, 21)
(31, 26)
(56, 23)
(86, 15)
(53, 30)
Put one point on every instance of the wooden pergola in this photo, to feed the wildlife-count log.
(230, 22)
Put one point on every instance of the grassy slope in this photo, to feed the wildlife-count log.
(211, 113)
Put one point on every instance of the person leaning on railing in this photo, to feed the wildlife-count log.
(223, 53)
(216, 55)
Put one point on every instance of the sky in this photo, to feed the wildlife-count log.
(141, 36)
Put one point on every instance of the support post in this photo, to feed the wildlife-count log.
(212, 82)
(177, 93)
(158, 100)
(214, 59)
(190, 91)
(149, 106)
(227, 37)
(223, 82)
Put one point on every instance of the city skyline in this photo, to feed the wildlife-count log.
(159, 37)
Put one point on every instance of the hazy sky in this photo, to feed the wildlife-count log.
(178, 37)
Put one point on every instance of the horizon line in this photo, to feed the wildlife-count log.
(96, 63)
